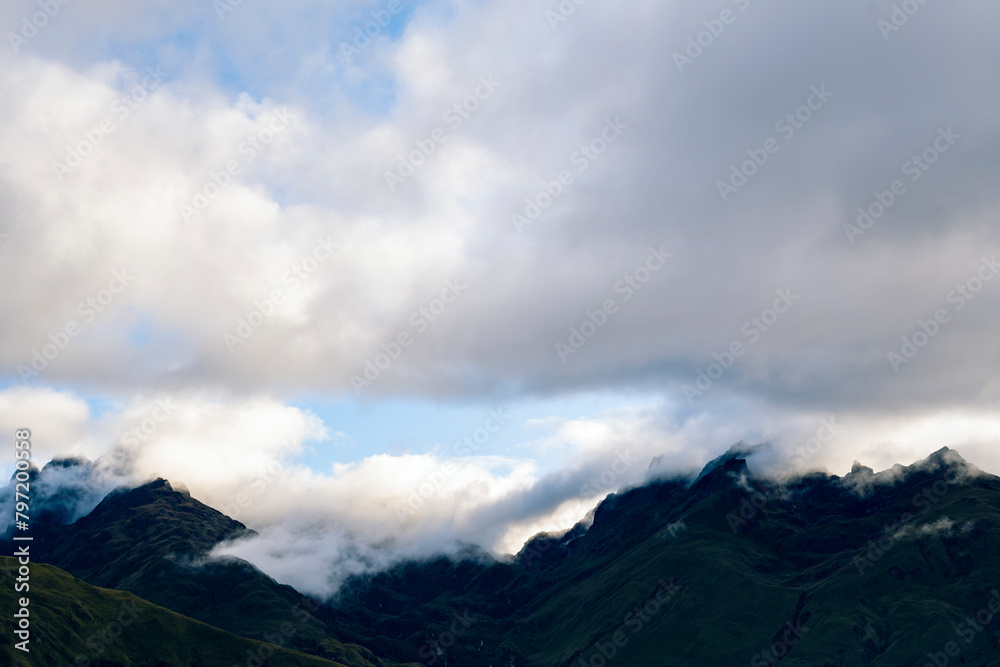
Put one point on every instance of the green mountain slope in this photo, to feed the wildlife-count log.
(152, 541)
(729, 571)
(75, 624)
(864, 570)
(786, 586)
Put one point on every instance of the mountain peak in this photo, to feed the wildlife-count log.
(944, 458)
(858, 469)
(163, 484)
(947, 456)
(727, 473)
(738, 452)
(863, 480)
(158, 483)
(68, 462)
(174, 523)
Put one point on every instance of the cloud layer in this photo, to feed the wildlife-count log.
(319, 177)
(741, 218)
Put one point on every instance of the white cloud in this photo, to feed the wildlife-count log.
(324, 176)
(58, 421)
(322, 179)
(244, 456)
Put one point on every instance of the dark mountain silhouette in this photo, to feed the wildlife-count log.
(153, 541)
(894, 568)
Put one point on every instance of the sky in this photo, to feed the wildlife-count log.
(396, 276)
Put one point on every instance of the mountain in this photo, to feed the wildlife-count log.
(73, 623)
(730, 570)
(894, 568)
(153, 540)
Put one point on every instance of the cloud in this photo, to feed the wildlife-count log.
(196, 209)
(63, 491)
(58, 420)
(248, 457)
(320, 178)
(942, 526)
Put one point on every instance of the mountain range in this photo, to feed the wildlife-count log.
(728, 568)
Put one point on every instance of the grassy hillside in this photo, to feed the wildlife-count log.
(71, 619)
